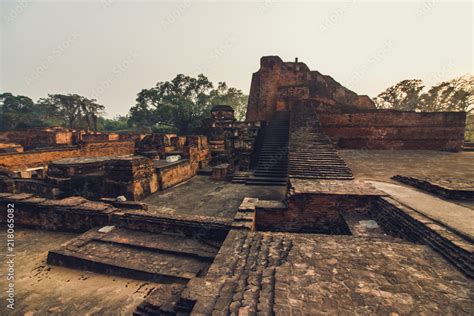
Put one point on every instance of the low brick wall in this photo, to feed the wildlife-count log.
(71, 214)
(32, 186)
(176, 173)
(135, 177)
(37, 158)
(108, 148)
(79, 215)
(314, 213)
(38, 137)
(205, 227)
(388, 129)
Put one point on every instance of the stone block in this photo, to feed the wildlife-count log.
(219, 172)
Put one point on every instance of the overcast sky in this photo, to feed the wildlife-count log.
(110, 49)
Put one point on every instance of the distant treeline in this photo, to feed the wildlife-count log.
(412, 95)
(180, 105)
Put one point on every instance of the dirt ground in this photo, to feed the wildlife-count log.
(43, 289)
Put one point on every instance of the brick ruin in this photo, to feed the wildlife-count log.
(348, 119)
(230, 141)
(99, 165)
(262, 217)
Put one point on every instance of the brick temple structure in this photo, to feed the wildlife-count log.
(350, 120)
(317, 204)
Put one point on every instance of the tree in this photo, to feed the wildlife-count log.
(77, 111)
(118, 123)
(404, 96)
(230, 96)
(20, 112)
(181, 103)
(14, 110)
(408, 95)
(453, 95)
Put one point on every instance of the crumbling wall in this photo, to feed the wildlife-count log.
(98, 136)
(38, 137)
(276, 83)
(389, 129)
(133, 177)
(168, 177)
(315, 213)
(10, 148)
(70, 214)
(37, 158)
(108, 148)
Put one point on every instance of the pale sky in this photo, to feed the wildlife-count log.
(110, 49)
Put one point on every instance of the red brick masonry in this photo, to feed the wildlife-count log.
(388, 129)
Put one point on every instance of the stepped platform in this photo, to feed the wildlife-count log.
(134, 254)
(272, 165)
(311, 153)
(468, 146)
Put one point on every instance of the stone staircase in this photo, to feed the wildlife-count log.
(468, 146)
(311, 153)
(272, 167)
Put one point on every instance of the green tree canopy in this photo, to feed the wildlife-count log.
(19, 111)
(118, 123)
(404, 96)
(15, 110)
(77, 111)
(409, 95)
(183, 103)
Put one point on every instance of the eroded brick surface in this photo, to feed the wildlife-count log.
(141, 255)
(276, 84)
(347, 275)
(294, 274)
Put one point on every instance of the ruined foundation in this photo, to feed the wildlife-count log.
(263, 217)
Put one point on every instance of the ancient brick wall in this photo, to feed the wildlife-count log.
(108, 148)
(134, 177)
(38, 137)
(36, 158)
(168, 177)
(320, 213)
(387, 129)
(79, 214)
(10, 148)
(70, 214)
(98, 136)
(277, 83)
